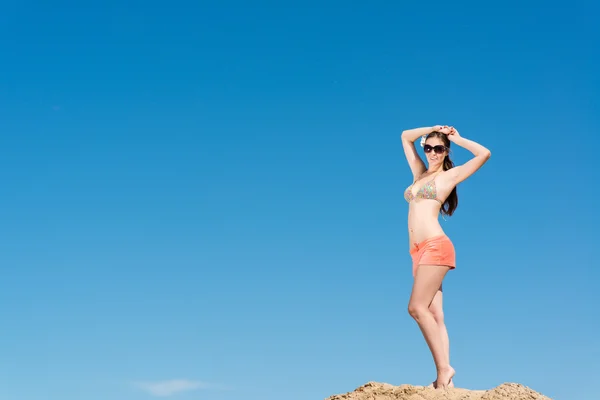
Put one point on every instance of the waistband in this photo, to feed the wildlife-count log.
(417, 246)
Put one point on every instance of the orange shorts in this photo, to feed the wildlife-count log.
(437, 250)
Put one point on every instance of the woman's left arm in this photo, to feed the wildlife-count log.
(482, 154)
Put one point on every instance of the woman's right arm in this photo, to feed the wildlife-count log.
(408, 137)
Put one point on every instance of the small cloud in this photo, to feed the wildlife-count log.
(171, 387)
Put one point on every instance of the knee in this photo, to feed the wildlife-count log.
(417, 310)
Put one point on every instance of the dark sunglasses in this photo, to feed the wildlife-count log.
(438, 149)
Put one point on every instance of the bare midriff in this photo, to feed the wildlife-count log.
(423, 220)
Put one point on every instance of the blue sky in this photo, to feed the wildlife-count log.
(205, 201)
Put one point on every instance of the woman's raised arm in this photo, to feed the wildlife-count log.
(409, 137)
(481, 153)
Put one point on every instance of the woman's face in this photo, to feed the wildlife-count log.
(435, 151)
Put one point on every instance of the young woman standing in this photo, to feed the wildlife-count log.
(433, 192)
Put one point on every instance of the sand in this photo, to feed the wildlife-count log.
(384, 391)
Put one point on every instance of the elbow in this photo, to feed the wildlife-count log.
(483, 156)
(408, 135)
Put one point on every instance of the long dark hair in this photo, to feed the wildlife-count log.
(452, 201)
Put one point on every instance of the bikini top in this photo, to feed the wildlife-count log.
(427, 191)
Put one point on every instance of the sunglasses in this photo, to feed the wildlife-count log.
(438, 149)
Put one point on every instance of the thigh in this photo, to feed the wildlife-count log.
(437, 304)
(427, 282)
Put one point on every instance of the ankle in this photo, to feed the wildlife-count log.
(444, 368)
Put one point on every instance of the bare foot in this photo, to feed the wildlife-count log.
(444, 378)
(433, 384)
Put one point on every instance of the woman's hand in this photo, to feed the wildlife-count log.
(453, 134)
(445, 129)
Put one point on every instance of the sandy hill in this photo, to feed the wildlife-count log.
(384, 391)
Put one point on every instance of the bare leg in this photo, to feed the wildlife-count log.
(437, 310)
(428, 280)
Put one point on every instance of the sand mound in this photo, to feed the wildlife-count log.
(384, 391)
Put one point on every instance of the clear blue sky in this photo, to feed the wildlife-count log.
(213, 194)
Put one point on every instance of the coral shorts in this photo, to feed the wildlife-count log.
(437, 250)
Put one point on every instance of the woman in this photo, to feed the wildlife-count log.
(432, 192)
